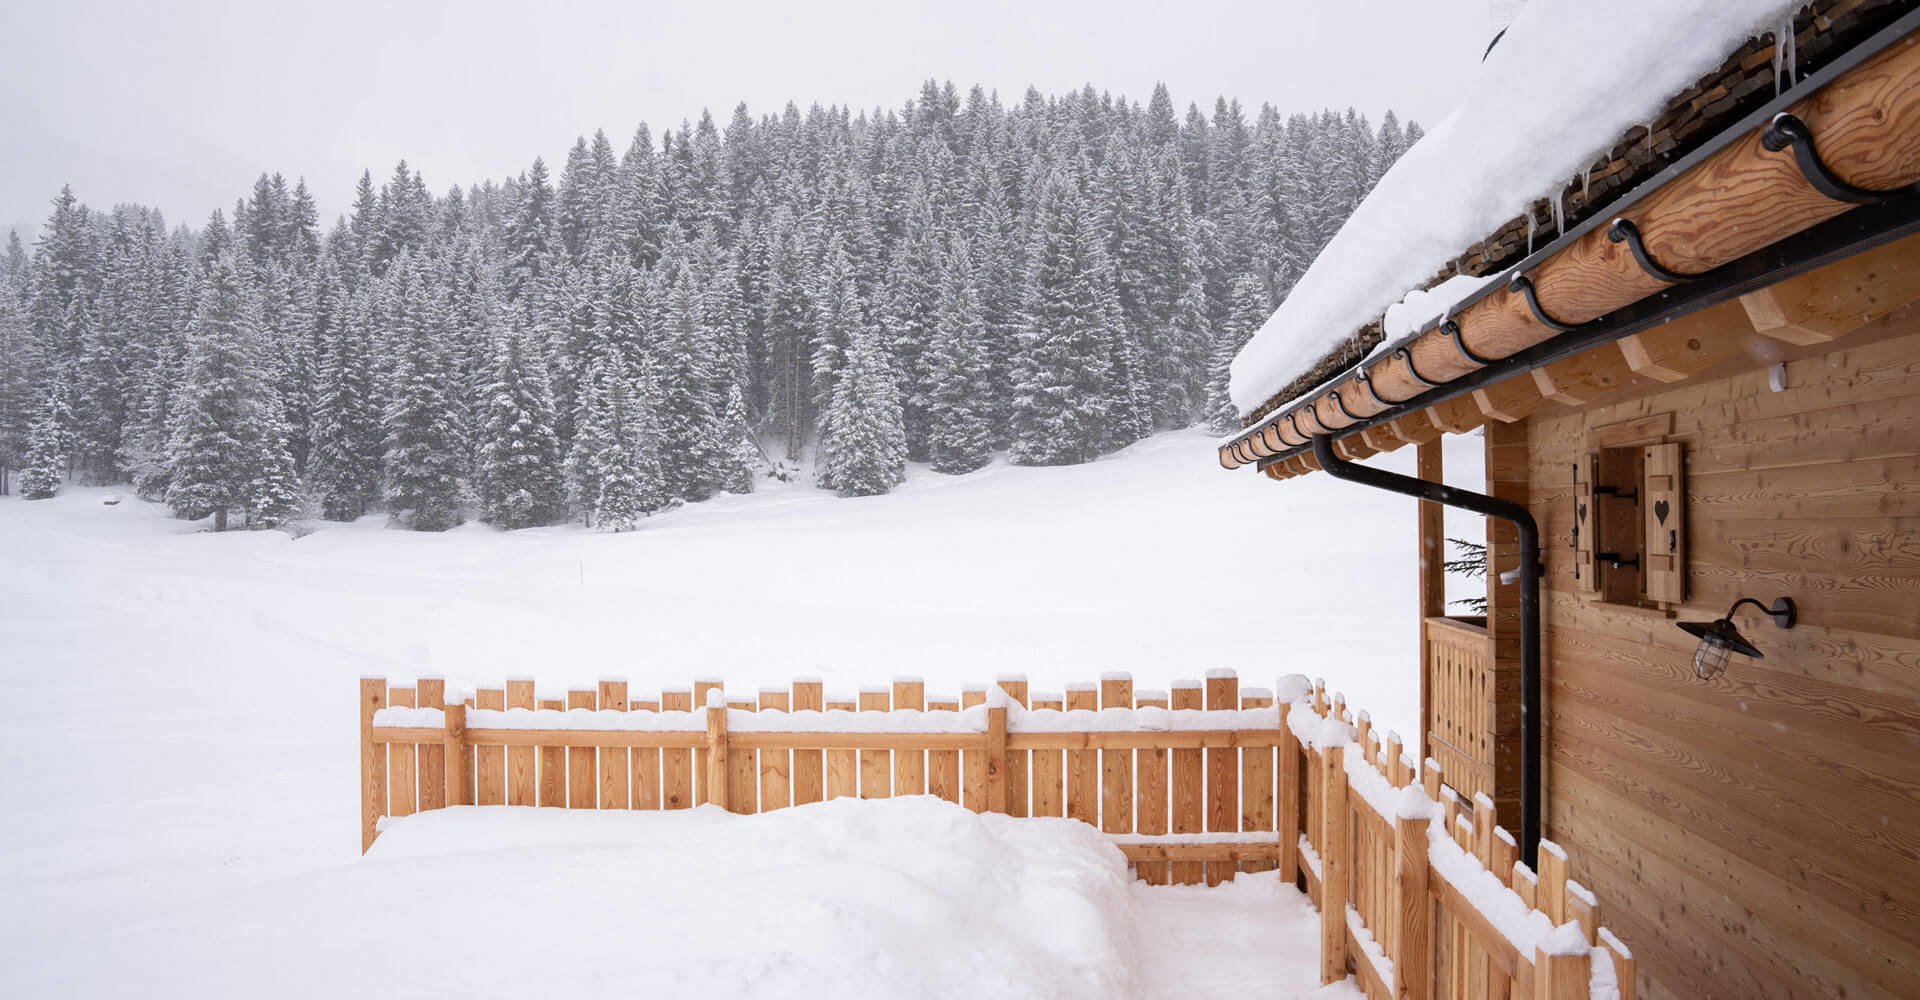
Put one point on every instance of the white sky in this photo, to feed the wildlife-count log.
(180, 105)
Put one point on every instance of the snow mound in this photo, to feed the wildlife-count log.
(884, 898)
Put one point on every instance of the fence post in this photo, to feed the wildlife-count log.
(997, 758)
(717, 750)
(1413, 957)
(434, 791)
(459, 763)
(1287, 820)
(373, 760)
(1333, 864)
(1561, 977)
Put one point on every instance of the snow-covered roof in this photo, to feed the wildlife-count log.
(1567, 79)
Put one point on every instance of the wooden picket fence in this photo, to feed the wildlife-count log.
(1419, 892)
(1188, 793)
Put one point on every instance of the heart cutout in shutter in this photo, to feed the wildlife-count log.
(1581, 510)
(1660, 510)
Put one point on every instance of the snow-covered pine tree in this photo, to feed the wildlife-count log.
(216, 449)
(739, 451)
(48, 446)
(1248, 310)
(424, 450)
(865, 451)
(519, 461)
(346, 456)
(273, 494)
(960, 436)
(626, 491)
(1063, 363)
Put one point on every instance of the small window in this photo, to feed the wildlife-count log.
(1629, 524)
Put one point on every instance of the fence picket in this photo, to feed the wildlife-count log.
(973, 763)
(1116, 766)
(432, 692)
(1223, 773)
(677, 763)
(522, 775)
(909, 766)
(843, 772)
(943, 766)
(582, 790)
(401, 783)
(1049, 766)
(615, 764)
(1150, 797)
(809, 766)
(373, 760)
(876, 766)
(703, 757)
(645, 763)
(1015, 779)
(491, 759)
(776, 775)
(1188, 790)
(1256, 785)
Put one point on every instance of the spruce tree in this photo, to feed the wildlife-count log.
(217, 448)
(1063, 360)
(519, 468)
(1248, 311)
(423, 442)
(739, 452)
(960, 438)
(344, 470)
(865, 452)
(48, 446)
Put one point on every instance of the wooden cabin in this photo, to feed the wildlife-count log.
(1702, 386)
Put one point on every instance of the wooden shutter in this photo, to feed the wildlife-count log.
(1663, 513)
(1586, 523)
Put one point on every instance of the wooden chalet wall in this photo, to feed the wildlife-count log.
(1759, 833)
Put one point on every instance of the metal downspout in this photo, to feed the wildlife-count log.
(1530, 569)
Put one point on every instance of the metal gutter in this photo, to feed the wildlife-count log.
(1872, 46)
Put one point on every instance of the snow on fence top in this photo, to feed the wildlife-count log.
(1566, 80)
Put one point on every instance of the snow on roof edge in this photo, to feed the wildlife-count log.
(1501, 149)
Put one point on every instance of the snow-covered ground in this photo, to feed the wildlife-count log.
(180, 744)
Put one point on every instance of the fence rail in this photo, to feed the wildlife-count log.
(1419, 891)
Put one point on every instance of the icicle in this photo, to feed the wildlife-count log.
(1560, 214)
(1586, 191)
(1786, 56)
(1530, 228)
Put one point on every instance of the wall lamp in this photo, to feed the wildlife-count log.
(1719, 639)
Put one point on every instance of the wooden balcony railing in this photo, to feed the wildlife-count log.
(1459, 702)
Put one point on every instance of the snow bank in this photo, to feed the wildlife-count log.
(1484, 164)
(848, 898)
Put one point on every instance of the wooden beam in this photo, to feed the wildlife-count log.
(1681, 349)
(1821, 305)
(1509, 400)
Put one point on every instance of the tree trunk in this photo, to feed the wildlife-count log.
(220, 519)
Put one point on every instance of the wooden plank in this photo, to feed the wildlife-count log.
(1048, 767)
(876, 766)
(943, 766)
(1553, 881)
(616, 770)
(1083, 766)
(743, 765)
(582, 786)
(809, 766)
(402, 783)
(1150, 797)
(676, 764)
(1223, 770)
(843, 765)
(1413, 911)
(776, 777)
(719, 787)
(1015, 685)
(973, 763)
(432, 693)
(1195, 853)
(1256, 784)
(373, 761)
(645, 764)
(909, 765)
(1188, 787)
(491, 759)
(1561, 977)
(522, 770)
(456, 757)
(702, 760)
(996, 759)
(1333, 865)
(1116, 766)
(1288, 818)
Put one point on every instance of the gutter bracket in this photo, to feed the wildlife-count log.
(1788, 130)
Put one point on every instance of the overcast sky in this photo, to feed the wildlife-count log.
(180, 105)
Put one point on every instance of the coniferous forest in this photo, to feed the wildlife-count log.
(821, 293)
